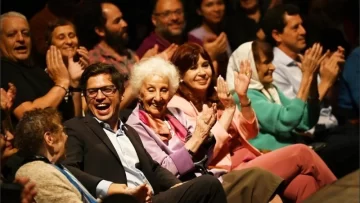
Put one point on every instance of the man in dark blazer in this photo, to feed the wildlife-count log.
(108, 156)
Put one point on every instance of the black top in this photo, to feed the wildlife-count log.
(31, 83)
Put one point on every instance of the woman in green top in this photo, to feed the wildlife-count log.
(282, 120)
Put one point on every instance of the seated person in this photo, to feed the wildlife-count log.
(102, 151)
(164, 132)
(283, 121)
(41, 136)
(35, 88)
(14, 192)
(349, 88)
(168, 144)
(62, 34)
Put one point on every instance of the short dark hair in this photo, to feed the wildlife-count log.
(54, 24)
(274, 19)
(101, 68)
(29, 134)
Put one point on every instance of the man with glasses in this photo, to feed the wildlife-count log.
(169, 21)
(103, 151)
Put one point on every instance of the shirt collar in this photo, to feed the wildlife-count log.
(282, 58)
(107, 126)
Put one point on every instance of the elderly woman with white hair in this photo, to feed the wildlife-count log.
(174, 143)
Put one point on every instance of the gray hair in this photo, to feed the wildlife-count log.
(154, 66)
(10, 14)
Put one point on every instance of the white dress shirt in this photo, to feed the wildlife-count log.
(287, 77)
(128, 158)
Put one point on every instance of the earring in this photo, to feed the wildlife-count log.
(181, 80)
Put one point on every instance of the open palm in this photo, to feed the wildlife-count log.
(242, 78)
(75, 69)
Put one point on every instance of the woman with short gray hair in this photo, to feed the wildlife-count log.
(167, 136)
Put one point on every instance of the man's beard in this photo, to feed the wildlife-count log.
(116, 41)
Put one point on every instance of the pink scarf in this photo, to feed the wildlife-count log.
(161, 129)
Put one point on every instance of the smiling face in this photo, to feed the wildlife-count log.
(198, 77)
(212, 10)
(168, 17)
(155, 95)
(293, 36)
(65, 39)
(103, 98)
(15, 43)
(265, 69)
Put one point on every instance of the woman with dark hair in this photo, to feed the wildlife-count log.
(61, 36)
(212, 13)
(236, 125)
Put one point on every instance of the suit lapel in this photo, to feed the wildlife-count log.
(98, 131)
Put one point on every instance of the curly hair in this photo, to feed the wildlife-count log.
(154, 66)
(29, 134)
(185, 57)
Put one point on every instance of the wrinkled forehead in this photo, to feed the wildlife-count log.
(8, 23)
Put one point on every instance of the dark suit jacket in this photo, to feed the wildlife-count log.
(89, 150)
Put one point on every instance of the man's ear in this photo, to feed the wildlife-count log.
(276, 36)
(48, 138)
(100, 31)
(153, 20)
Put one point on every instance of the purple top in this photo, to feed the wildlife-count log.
(150, 41)
(173, 155)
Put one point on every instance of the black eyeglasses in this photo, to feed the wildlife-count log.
(166, 14)
(106, 90)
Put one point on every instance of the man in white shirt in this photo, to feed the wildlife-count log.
(284, 30)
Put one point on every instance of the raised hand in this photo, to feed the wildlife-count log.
(56, 67)
(84, 56)
(330, 68)
(312, 59)
(75, 70)
(206, 120)
(7, 97)
(223, 93)
(151, 52)
(215, 45)
(168, 53)
(242, 78)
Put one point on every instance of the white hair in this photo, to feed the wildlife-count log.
(154, 66)
(10, 14)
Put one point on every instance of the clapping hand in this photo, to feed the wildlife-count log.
(330, 68)
(56, 67)
(166, 54)
(215, 45)
(223, 93)
(206, 120)
(84, 56)
(242, 78)
(312, 59)
(7, 97)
